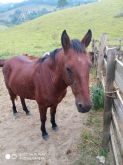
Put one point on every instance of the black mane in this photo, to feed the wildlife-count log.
(51, 55)
(54, 53)
(75, 44)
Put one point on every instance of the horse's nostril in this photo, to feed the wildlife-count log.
(80, 105)
(83, 108)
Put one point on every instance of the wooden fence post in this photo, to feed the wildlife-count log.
(109, 87)
(94, 50)
(102, 45)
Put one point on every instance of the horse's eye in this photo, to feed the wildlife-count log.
(70, 74)
(69, 71)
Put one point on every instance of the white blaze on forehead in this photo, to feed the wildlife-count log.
(79, 59)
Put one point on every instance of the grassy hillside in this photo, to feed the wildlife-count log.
(43, 34)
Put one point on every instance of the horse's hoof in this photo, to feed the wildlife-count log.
(55, 128)
(29, 113)
(16, 115)
(45, 136)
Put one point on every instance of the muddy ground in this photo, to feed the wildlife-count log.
(20, 138)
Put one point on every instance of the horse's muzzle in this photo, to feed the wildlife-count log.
(83, 108)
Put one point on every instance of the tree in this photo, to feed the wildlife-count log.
(62, 3)
(15, 18)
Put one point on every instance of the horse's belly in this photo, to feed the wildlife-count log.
(25, 90)
(25, 93)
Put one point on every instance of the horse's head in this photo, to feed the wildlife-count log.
(77, 67)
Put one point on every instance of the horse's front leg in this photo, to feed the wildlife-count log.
(53, 122)
(43, 118)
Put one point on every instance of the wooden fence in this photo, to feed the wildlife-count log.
(109, 64)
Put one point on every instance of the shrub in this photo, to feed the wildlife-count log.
(97, 93)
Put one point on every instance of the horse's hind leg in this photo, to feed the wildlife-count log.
(53, 122)
(13, 105)
(24, 106)
(12, 97)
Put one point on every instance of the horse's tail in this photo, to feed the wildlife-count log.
(2, 62)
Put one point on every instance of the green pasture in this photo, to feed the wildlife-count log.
(43, 34)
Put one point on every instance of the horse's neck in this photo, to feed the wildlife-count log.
(52, 72)
(58, 72)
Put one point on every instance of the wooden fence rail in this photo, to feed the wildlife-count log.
(110, 73)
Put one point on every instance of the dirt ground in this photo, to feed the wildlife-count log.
(20, 138)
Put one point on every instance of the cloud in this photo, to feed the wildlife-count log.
(9, 1)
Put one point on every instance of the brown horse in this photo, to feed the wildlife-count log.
(46, 79)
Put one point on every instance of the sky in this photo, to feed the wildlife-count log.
(9, 1)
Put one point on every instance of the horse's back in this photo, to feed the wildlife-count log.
(27, 58)
(17, 65)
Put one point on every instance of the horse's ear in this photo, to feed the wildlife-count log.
(87, 38)
(65, 40)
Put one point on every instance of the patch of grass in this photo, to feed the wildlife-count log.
(91, 140)
(103, 152)
(5, 54)
(94, 120)
(44, 33)
(93, 71)
(90, 146)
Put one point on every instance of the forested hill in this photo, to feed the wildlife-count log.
(17, 13)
